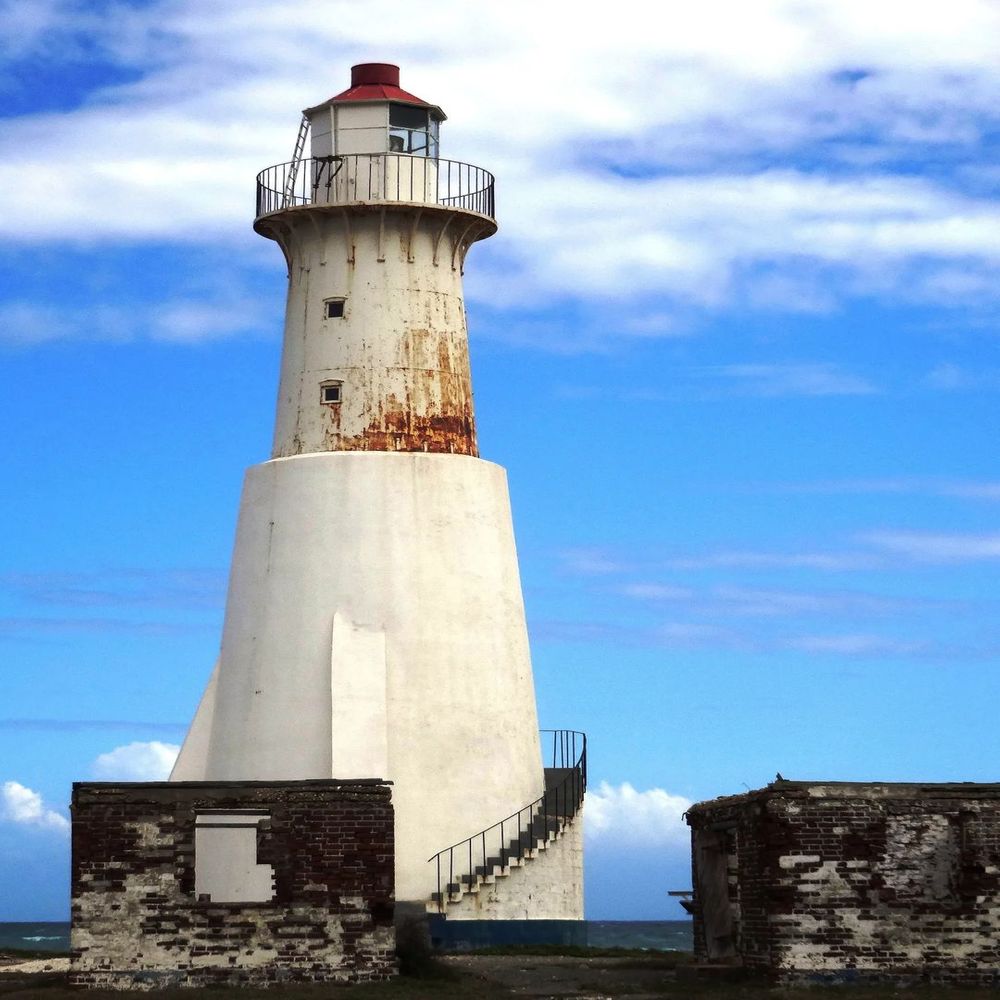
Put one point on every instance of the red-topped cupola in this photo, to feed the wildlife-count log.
(374, 115)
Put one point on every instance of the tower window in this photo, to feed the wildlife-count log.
(329, 392)
(333, 308)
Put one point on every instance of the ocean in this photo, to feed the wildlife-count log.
(654, 935)
(37, 936)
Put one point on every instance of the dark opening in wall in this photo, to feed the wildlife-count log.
(334, 308)
(330, 392)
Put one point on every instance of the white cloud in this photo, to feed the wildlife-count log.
(161, 588)
(621, 815)
(726, 600)
(832, 562)
(961, 488)
(585, 561)
(856, 645)
(657, 592)
(791, 380)
(718, 381)
(182, 320)
(679, 149)
(22, 805)
(937, 548)
(137, 761)
(954, 378)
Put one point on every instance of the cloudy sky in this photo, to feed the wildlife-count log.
(736, 343)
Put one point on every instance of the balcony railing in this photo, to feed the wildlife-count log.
(363, 178)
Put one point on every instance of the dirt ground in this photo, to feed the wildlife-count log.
(491, 977)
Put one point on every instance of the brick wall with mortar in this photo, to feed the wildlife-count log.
(844, 881)
(136, 922)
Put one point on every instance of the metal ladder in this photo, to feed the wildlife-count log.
(293, 170)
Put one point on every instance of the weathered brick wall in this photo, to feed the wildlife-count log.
(138, 924)
(748, 885)
(865, 881)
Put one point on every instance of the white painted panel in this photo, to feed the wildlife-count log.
(225, 859)
(357, 688)
(321, 133)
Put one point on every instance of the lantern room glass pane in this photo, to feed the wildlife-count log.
(408, 116)
(411, 130)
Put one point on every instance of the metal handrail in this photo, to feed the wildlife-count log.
(559, 804)
(365, 178)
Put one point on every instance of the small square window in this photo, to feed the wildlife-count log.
(334, 308)
(330, 392)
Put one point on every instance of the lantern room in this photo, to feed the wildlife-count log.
(374, 115)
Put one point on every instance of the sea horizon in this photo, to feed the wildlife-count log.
(651, 935)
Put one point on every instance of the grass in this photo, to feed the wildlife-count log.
(670, 958)
(496, 973)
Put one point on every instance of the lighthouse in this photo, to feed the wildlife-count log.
(374, 624)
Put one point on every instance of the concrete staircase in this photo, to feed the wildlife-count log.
(511, 844)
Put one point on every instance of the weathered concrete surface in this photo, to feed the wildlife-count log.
(854, 881)
(138, 921)
(400, 350)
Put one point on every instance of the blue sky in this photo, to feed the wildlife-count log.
(736, 344)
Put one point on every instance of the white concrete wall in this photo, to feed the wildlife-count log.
(548, 886)
(418, 550)
(191, 761)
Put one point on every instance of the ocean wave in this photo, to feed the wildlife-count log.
(43, 937)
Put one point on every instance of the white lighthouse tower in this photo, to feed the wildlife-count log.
(374, 624)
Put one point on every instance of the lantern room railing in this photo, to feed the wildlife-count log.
(361, 178)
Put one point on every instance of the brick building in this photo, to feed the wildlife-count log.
(842, 881)
(236, 883)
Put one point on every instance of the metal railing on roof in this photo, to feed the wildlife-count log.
(365, 178)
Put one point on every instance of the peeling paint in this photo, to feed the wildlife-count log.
(400, 350)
